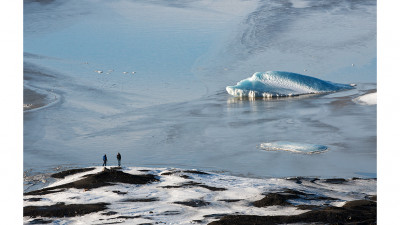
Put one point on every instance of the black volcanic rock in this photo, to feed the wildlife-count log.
(40, 221)
(335, 181)
(274, 199)
(353, 212)
(65, 173)
(195, 184)
(194, 203)
(63, 210)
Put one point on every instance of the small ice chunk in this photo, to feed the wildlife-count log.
(303, 148)
(367, 99)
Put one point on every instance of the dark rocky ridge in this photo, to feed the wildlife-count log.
(107, 177)
(63, 210)
(141, 200)
(353, 212)
(195, 184)
(193, 203)
(65, 173)
(280, 198)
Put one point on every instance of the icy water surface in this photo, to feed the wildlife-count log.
(174, 111)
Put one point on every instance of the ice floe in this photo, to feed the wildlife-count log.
(303, 148)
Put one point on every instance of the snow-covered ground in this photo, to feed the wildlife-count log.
(190, 196)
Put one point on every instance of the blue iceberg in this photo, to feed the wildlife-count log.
(303, 148)
(282, 84)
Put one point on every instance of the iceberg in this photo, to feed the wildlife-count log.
(294, 147)
(282, 84)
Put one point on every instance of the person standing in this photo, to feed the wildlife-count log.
(104, 160)
(119, 159)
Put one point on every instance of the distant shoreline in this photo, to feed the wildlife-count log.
(35, 98)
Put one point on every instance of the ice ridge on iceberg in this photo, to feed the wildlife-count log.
(282, 84)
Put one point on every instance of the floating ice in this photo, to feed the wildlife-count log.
(294, 147)
(367, 99)
(282, 84)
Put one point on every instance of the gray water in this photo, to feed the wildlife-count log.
(174, 111)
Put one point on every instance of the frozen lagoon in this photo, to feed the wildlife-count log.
(216, 132)
(174, 110)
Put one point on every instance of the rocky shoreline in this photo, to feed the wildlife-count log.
(185, 193)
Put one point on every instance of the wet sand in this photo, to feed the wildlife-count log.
(36, 97)
(33, 100)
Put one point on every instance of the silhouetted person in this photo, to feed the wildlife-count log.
(119, 159)
(104, 160)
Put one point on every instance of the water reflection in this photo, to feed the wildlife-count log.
(258, 103)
